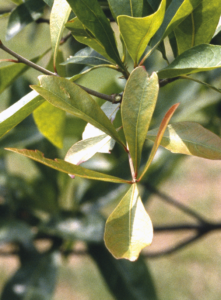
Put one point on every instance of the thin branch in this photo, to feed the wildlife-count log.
(163, 82)
(65, 38)
(175, 203)
(42, 20)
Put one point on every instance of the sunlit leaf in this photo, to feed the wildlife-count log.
(87, 56)
(69, 97)
(196, 29)
(159, 137)
(22, 15)
(138, 104)
(137, 32)
(93, 18)
(129, 228)
(133, 8)
(59, 16)
(189, 138)
(197, 59)
(66, 167)
(17, 112)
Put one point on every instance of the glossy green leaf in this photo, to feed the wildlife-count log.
(91, 15)
(177, 11)
(196, 29)
(133, 8)
(159, 137)
(84, 36)
(154, 4)
(22, 15)
(17, 112)
(69, 97)
(126, 280)
(59, 16)
(35, 279)
(87, 56)
(75, 226)
(138, 104)
(129, 228)
(66, 167)
(197, 59)
(189, 138)
(137, 32)
(51, 123)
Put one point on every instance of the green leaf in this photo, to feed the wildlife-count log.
(22, 15)
(159, 137)
(177, 11)
(138, 104)
(137, 32)
(49, 2)
(93, 18)
(196, 29)
(17, 112)
(50, 121)
(154, 4)
(87, 56)
(126, 280)
(15, 231)
(133, 8)
(197, 59)
(129, 228)
(59, 16)
(84, 36)
(69, 97)
(66, 167)
(67, 225)
(189, 138)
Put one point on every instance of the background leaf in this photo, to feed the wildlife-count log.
(138, 104)
(66, 167)
(133, 8)
(189, 138)
(128, 229)
(195, 29)
(197, 59)
(137, 32)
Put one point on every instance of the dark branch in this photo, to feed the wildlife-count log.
(163, 82)
(42, 20)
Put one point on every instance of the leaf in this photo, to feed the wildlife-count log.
(66, 167)
(133, 8)
(84, 36)
(35, 279)
(59, 16)
(69, 97)
(49, 2)
(50, 121)
(129, 228)
(87, 56)
(125, 279)
(67, 225)
(22, 15)
(159, 137)
(137, 32)
(196, 29)
(197, 59)
(190, 138)
(177, 11)
(93, 18)
(138, 104)
(17, 112)
(154, 4)
(14, 231)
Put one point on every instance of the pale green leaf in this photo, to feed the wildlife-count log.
(92, 16)
(138, 104)
(133, 8)
(129, 228)
(159, 137)
(137, 32)
(199, 27)
(189, 138)
(197, 59)
(84, 36)
(50, 121)
(59, 16)
(63, 166)
(17, 112)
(69, 97)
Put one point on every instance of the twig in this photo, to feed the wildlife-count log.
(42, 20)
(163, 82)
(65, 38)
